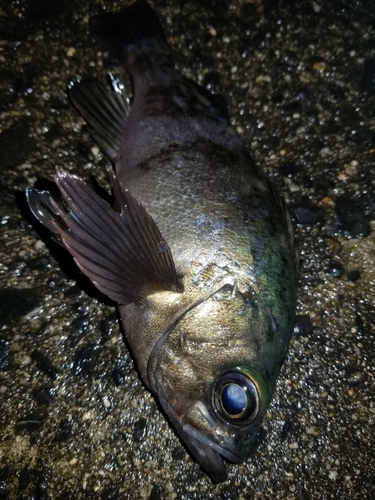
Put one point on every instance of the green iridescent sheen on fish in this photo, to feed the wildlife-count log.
(197, 250)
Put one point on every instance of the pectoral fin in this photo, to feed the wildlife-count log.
(123, 254)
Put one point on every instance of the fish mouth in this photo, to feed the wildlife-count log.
(209, 434)
(209, 441)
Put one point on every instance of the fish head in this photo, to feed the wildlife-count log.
(215, 374)
(226, 425)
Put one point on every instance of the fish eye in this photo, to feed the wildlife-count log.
(237, 395)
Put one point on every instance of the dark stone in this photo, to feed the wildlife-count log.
(178, 453)
(108, 327)
(42, 488)
(39, 263)
(5, 474)
(289, 169)
(256, 41)
(27, 476)
(365, 138)
(259, 438)
(307, 182)
(277, 99)
(310, 381)
(79, 327)
(4, 493)
(308, 214)
(349, 219)
(72, 291)
(64, 431)
(335, 269)
(353, 275)
(361, 329)
(5, 355)
(157, 492)
(118, 376)
(43, 329)
(24, 84)
(84, 151)
(110, 493)
(355, 378)
(30, 423)
(292, 409)
(336, 93)
(66, 495)
(56, 284)
(304, 37)
(368, 79)
(44, 396)
(54, 132)
(312, 117)
(15, 303)
(140, 429)
(292, 107)
(212, 81)
(16, 145)
(331, 127)
(303, 95)
(303, 326)
(44, 364)
(79, 308)
(86, 359)
(285, 430)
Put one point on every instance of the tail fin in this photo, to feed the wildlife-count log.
(131, 27)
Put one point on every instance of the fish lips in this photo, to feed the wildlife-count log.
(209, 440)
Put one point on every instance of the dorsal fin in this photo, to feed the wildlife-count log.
(104, 109)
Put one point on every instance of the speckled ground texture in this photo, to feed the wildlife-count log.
(75, 420)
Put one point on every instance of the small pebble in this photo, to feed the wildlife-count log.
(335, 269)
(140, 429)
(353, 275)
(118, 376)
(30, 423)
(86, 359)
(303, 326)
(44, 364)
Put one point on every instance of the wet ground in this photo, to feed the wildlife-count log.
(75, 420)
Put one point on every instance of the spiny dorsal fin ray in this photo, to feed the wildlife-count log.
(104, 109)
(123, 254)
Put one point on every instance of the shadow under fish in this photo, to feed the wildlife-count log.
(197, 250)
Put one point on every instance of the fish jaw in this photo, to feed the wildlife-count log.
(199, 424)
(210, 441)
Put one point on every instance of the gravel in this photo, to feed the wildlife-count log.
(75, 420)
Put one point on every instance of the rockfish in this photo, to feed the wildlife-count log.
(197, 249)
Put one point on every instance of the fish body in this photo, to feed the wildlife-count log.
(197, 250)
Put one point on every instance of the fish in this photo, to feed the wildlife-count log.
(197, 248)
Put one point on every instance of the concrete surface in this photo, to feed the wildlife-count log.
(75, 420)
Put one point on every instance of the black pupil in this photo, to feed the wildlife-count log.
(234, 399)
